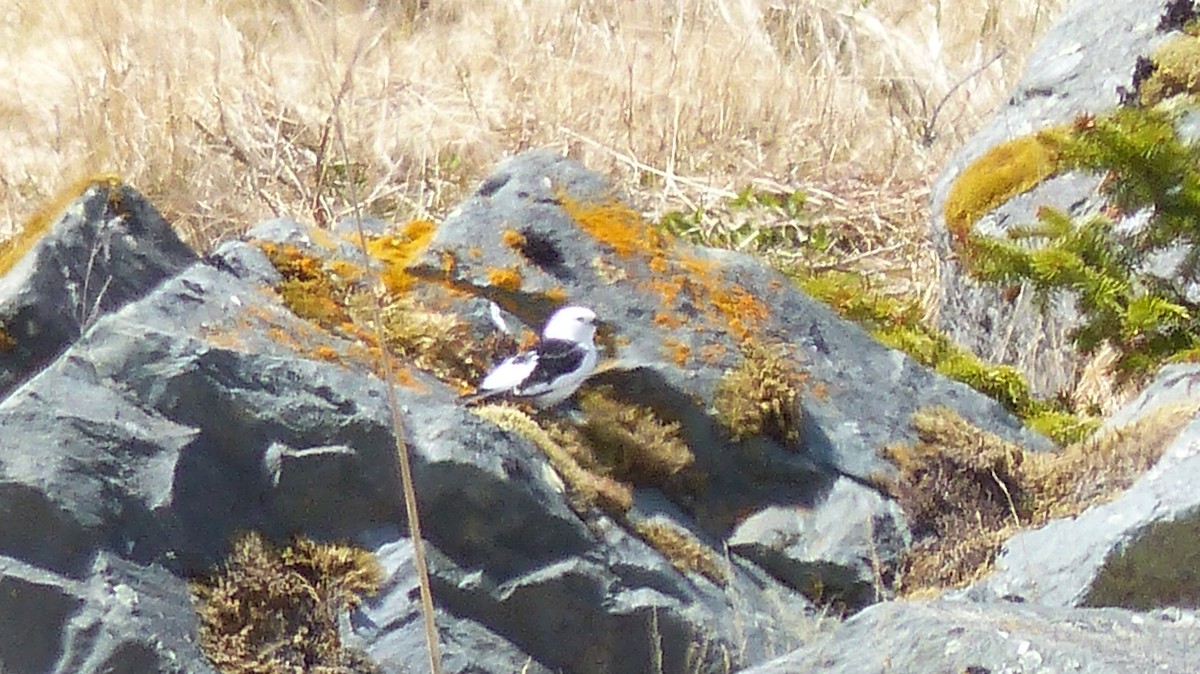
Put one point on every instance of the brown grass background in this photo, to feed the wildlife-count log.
(228, 111)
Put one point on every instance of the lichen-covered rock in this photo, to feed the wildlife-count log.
(243, 393)
(973, 638)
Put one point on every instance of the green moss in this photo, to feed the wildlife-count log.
(268, 610)
(564, 449)
(761, 396)
(898, 324)
(1176, 70)
(1003, 172)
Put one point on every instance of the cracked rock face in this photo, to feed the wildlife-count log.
(194, 404)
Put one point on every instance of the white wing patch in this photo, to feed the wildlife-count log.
(511, 373)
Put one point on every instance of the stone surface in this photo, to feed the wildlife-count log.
(973, 639)
(844, 550)
(1077, 68)
(204, 407)
(107, 248)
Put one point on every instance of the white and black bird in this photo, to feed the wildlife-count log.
(554, 368)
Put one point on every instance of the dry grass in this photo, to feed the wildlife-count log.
(965, 492)
(224, 111)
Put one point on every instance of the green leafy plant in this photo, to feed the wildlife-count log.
(1148, 170)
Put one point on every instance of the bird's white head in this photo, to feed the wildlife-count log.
(575, 324)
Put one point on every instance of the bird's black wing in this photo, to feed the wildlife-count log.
(555, 357)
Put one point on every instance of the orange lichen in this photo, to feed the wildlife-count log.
(556, 295)
(326, 353)
(506, 278)
(397, 251)
(307, 288)
(617, 225)
(7, 343)
(668, 320)
(12, 250)
(713, 353)
(677, 351)
(512, 238)
(675, 273)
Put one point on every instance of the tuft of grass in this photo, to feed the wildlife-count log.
(683, 550)
(965, 492)
(588, 488)
(761, 396)
(630, 441)
(268, 611)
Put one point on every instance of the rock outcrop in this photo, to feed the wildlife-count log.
(196, 404)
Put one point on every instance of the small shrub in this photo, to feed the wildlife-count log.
(271, 611)
(761, 396)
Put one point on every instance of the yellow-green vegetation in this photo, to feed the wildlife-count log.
(760, 396)
(630, 440)
(1145, 320)
(1176, 70)
(619, 444)
(897, 323)
(965, 492)
(268, 611)
(683, 550)
(587, 488)
(308, 289)
(1003, 172)
(439, 342)
(36, 226)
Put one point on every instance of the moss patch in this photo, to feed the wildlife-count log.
(268, 611)
(683, 550)
(761, 396)
(1176, 70)
(588, 489)
(965, 492)
(630, 441)
(308, 289)
(898, 324)
(1002, 173)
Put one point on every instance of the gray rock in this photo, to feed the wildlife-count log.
(125, 619)
(907, 637)
(204, 408)
(842, 552)
(107, 248)
(1077, 68)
